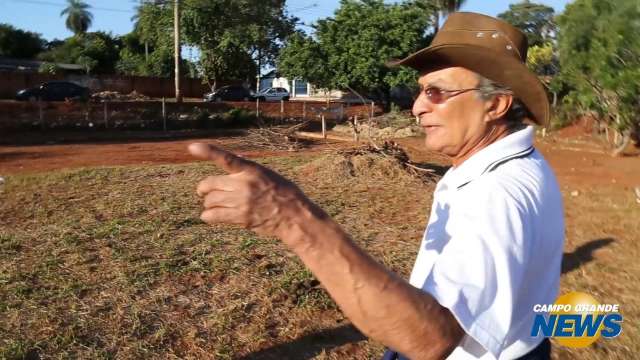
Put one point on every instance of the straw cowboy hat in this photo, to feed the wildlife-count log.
(489, 47)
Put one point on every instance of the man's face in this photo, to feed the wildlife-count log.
(457, 122)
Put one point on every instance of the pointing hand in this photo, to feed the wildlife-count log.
(250, 195)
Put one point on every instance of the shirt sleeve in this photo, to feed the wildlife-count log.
(478, 273)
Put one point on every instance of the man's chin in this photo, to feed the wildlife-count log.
(432, 144)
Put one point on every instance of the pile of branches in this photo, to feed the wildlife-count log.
(392, 150)
(116, 96)
(275, 138)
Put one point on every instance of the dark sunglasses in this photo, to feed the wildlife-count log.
(437, 95)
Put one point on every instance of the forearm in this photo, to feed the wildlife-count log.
(377, 301)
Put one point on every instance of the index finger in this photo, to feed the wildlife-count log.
(229, 162)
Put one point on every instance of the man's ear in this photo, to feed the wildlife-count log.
(498, 107)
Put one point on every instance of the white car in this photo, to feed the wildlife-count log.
(273, 94)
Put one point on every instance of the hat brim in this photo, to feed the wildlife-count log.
(504, 70)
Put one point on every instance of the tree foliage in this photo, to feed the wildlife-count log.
(350, 49)
(236, 38)
(18, 43)
(133, 58)
(599, 48)
(542, 60)
(79, 18)
(535, 20)
(97, 52)
(304, 57)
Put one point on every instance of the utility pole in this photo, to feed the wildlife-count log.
(146, 42)
(176, 38)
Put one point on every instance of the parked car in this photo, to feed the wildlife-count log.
(54, 91)
(229, 93)
(273, 94)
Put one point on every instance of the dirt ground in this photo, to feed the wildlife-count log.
(578, 160)
(91, 269)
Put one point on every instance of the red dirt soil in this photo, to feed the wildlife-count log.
(579, 161)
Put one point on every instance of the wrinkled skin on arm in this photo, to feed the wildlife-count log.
(377, 301)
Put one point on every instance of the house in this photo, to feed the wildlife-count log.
(298, 88)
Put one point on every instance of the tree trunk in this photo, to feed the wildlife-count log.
(626, 139)
(176, 43)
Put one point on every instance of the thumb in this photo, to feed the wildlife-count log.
(227, 161)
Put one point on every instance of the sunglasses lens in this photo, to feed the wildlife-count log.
(434, 94)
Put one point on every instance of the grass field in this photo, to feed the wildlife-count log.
(114, 263)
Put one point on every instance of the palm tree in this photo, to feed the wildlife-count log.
(78, 17)
(444, 8)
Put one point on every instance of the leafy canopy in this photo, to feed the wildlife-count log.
(535, 20)
(350, 49)
(599, 50)
(79, 18)
(238, 37)
(97, 52)
(18, 43)
(234, 37)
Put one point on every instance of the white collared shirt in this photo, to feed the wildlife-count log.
(493, 246)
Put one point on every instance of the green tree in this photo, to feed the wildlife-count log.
(17, 43)
(535, 20)
(48, 68)
(236, 38)
(148, 49)
(542, 60)
(350, 49)
(599, 51)
(97, 52)
(303, 57)
(78, 16)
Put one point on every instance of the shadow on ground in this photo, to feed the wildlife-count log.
(310, 345)
(583, 254)
(439, 170)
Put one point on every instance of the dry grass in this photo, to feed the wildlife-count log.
(114, 263)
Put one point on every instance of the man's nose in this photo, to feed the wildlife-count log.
(421, 105)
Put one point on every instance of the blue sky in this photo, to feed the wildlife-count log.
(43, 16)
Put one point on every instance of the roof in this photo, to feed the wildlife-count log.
(270, 75)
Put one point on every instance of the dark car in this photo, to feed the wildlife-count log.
(54, 91)
(230, 93)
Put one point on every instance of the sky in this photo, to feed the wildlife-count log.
(43, 16)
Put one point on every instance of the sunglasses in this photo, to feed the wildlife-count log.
(437, 95)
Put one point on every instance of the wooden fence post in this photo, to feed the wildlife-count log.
(87, 115)
(164, 114)
(355, 128)
(106, 115)
(41, 114)
(257, 108)
(304, 110)
(281, 110)
(324, 128)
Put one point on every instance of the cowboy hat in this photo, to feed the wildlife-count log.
(489, 47)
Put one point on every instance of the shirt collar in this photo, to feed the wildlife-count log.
(514, 145)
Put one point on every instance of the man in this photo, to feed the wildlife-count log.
(493, 245)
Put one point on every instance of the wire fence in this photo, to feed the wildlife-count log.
(165, 115)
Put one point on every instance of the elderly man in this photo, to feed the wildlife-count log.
(493, 245)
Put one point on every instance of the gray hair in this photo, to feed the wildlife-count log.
(517, 113)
